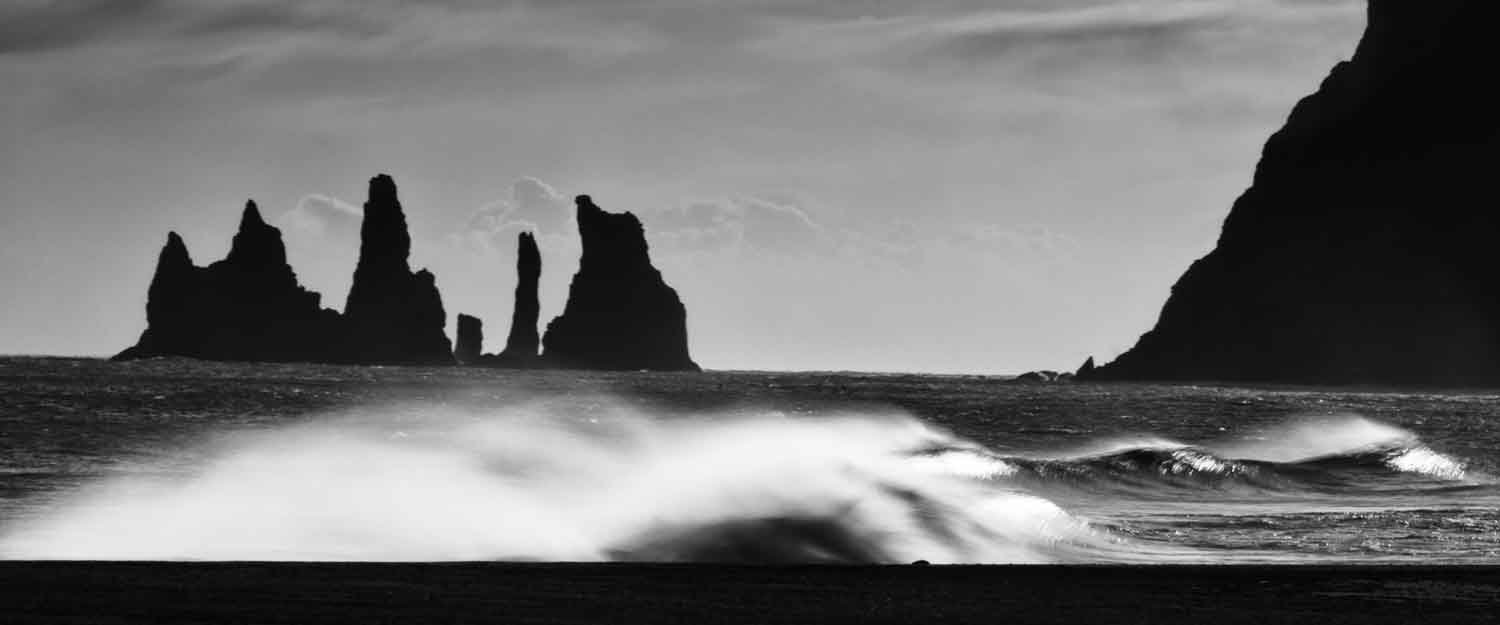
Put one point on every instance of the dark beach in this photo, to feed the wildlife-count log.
(94, 592)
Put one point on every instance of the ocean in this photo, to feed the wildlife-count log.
(187, 460)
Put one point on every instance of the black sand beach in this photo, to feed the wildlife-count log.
(93, 592)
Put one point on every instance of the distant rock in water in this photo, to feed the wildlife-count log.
(1087, 369)
(1043, 377)
(1363, 252)
(248, 306)
(620, 314)
(392, 316)
(521, 347)
(469, 346)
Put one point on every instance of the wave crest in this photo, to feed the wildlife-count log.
(1327, 454)
(538, 484)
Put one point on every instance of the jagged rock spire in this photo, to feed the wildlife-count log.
(524, 342)
(392, 315)
(620, 314)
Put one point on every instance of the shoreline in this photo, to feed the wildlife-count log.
(264, 592)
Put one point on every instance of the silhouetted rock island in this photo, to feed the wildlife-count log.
(521, 346)
(393, 315)
(620, 314)
(249, 306)
(1363, 252)
(468, 348)
(1043, 377)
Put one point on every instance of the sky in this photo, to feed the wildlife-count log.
(948, 186)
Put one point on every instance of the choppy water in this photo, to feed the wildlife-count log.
(220, 461)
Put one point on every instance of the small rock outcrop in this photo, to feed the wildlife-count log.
(1363, 250)
(393, 315)
(248, 306)
(620, 314)
(1086, 370)
(1043, 377)
(469, 346)
(521, 347)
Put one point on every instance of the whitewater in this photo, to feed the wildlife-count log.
(550, 481)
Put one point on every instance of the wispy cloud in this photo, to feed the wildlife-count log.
(39, 25)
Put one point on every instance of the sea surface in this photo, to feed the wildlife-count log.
(188, 460)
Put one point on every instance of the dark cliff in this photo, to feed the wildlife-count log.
(393, 315)
(1362, 252)
(248, 306)
(620, 314)
(522, 345)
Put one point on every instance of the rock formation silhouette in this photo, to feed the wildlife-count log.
(522, 344)
(248, 306)
(1363, 251)
(620, 314)
(468, 347)
(1086, 369)
(1043, 377)
(392, 316)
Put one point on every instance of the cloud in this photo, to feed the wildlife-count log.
(1145, 29)
(533, 205)
(750, 224)
(746, 223)
(917, 246)
(36, 26)
(1117, 33)
(39, 26)
(258, 17)
(323, 217)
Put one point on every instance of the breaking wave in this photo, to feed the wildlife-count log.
(533, 485)
(1340, 455)
(541, 484)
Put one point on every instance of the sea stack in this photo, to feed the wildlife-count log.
(248, 306)
(522, 344)
(468, 347)
(1363, 252)
(620, 314)
(393, 315)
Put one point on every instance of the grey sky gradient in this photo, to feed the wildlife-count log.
(918, 185)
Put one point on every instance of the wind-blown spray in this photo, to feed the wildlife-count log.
(531, 484)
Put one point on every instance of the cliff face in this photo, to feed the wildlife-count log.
(392, 315)
(247, 306)
(1362, 251)
(620, 314)
(522, 344)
